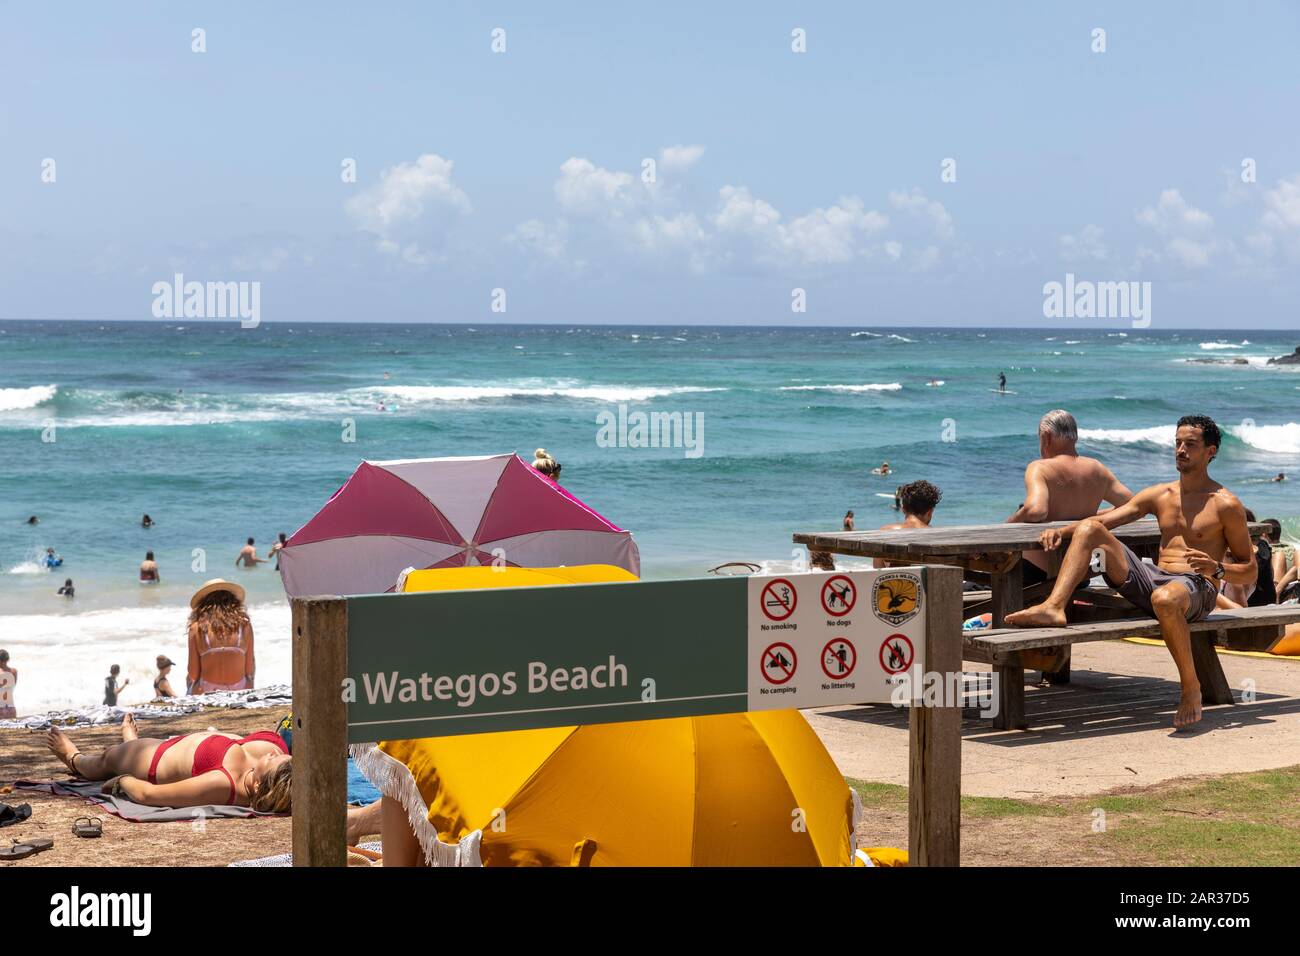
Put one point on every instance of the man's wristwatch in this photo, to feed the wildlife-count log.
(1218, 571)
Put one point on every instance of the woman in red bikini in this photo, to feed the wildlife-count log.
(220, 637)
(189, 771)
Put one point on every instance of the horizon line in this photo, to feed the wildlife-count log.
(653, 325)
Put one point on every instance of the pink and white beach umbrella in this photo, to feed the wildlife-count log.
(445, 513)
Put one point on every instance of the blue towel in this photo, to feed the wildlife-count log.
(360, 790)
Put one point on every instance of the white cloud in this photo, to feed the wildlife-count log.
(586, 189)
(605, 213)
(1172, 215)
(916, 203)
(1088, 244)
(1282, 206)
(1185, 229)
(397, 208)
(676, 159)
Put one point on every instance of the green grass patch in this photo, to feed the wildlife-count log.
(1244, 819)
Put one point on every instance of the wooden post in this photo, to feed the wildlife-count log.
(1008, 596)
(320, 731)
(934, 776)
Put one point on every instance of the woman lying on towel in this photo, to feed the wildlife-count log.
(192, 770)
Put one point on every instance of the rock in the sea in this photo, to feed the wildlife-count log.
(1292, 359)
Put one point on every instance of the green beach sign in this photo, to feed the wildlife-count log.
(461, 662)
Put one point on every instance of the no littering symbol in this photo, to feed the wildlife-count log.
(896, 654)
(839, 595)
(778, 599)
(839, 657)
(778, 663)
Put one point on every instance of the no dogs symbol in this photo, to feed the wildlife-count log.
(839, 657)
(896, 654)
(839, 594)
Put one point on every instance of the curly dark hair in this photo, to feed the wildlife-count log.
(1209, 430)
(918, 497)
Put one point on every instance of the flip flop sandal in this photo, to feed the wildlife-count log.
(10, 815)
(88, 827)
(21, 850)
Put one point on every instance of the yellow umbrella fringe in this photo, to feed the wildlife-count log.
(392, 778)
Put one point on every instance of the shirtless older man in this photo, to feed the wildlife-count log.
(1202, 530)
(1063, 485)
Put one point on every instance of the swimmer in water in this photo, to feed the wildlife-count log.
(248, 556)
(882, 470)
(146, 522)
(68, 590)
(149, 570)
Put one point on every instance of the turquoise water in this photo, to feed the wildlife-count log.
(220, 433)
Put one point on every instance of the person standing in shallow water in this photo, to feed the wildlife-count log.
(112, 688)
(8, 680)
(220, 638)
(848, 521)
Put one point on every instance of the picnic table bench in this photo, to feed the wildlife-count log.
(992, 555)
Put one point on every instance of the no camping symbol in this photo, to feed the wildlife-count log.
(778, 663)
(896, 654)
(778, 599)
(839, 594)
(839, 657)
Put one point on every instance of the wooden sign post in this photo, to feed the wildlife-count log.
(402, 666)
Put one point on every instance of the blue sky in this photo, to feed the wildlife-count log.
(775, 170)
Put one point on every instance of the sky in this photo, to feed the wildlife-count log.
(722, 163)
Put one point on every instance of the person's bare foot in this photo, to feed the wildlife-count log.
(1189, 709)
(129, 730)
(1040, 615)
(63, 748)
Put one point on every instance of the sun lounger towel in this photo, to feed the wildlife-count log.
(286, 859)
(279, 695)
(134, 812)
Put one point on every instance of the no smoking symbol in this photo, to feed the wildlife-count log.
(778, 599)
(839, 595)
(778, 663)
(839, 657)
(896, 654)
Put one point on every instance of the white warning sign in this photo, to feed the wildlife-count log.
(843, 637)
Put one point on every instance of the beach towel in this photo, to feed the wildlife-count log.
(89, 790)
(286, 859)
(278, 695)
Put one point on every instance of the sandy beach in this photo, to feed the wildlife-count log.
(1029, 797)
(217, 843)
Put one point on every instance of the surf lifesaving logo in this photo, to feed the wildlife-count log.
(896, 597)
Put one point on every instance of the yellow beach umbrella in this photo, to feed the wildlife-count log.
(730, 790)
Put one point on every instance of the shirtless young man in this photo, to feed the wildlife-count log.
(248, 556)
(1063, 485)
(918, 500)
(1202, 530)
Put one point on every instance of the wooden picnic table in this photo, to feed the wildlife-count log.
(991, 554)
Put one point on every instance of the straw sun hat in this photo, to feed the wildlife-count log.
(216, 584)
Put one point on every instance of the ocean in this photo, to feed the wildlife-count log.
(220, 433)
